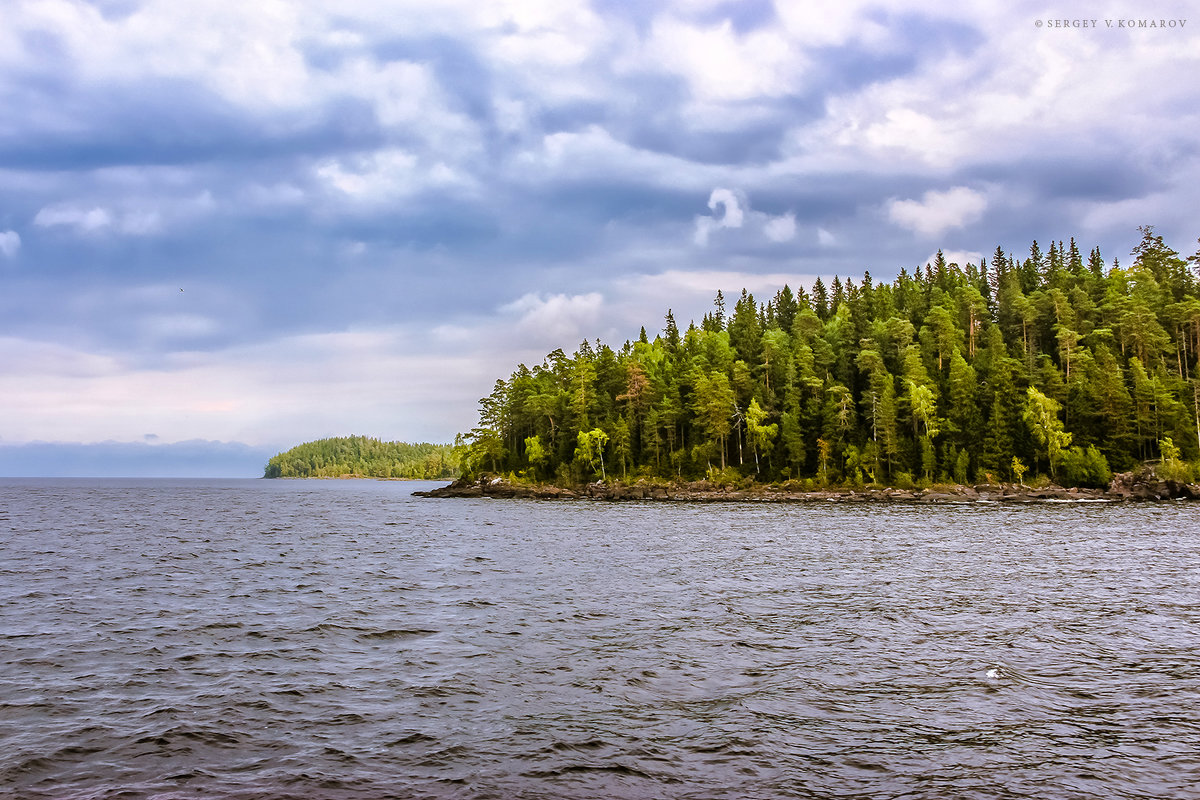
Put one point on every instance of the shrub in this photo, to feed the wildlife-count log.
(1080, 467)
(1173, 468)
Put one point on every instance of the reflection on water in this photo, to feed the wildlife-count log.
(266, 639)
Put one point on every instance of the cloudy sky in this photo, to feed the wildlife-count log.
(246, 225)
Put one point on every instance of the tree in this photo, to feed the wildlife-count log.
(793, 441)
(535, 453)
(762, 437)
(881, 399)
(671, 331)
(820, 300)
(942, 333)
(929, 374)
(962, 418)
(1019, 470)
(714, 407)
(924, 411)
(590, 449)
(621, 445)
(1041, 415)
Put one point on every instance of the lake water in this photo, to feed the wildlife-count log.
(342, 639)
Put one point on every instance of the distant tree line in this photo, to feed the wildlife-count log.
(363, 457)
(1053, 364)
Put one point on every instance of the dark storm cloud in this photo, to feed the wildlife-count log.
(172, 122)
(1074, 176)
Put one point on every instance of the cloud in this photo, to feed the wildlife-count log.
(93, 220)
(682, 286)
(83, 220)
(731, 215)
(721, 65)
(557, 318)
(10, 243)
(736, 213)
(960, 257)
(937, 212)
(389, 382)
(135, 203)
(781, 228)
(348, 193)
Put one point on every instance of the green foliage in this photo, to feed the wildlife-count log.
(590, 449)
(1085, 467)
(1041, 414)
(535, 454)
(363, 457)
(944, 374)
(1172, 468)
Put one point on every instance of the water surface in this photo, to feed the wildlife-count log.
(342, 639)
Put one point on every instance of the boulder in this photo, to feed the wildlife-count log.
(1144, 484)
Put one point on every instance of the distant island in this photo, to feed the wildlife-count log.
(364, 457)
(1051, 369)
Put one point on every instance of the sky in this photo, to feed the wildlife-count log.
(227, 228)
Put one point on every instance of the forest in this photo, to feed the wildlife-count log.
(363, 457)
(1052, 366)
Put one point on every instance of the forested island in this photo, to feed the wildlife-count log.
(364, 457)
(1052, 368)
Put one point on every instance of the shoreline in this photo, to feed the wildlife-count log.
(1125, 487)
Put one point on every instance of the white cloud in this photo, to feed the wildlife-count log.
(134, 222)
(387, 175)
(731, 215)
(10, 243)
(34, 359)
(912, 132)
(722, 66)
(735, 212)
(825, 238)
(278, 392)
(557, 318)
(84, 220)
(684, 286)
(937, 212)
(960, 257)
(781, 228)
(595, 153)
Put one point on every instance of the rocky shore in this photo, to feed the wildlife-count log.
(1142, 485)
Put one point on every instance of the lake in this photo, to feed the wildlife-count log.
(342, 639)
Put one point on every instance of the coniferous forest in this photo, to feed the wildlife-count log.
(363, 457)
(1051, 365)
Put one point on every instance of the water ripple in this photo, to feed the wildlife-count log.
(263, 640)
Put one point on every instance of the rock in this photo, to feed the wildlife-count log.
(1144, 484)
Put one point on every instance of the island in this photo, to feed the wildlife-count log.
(1011, 377)
(365, 457)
